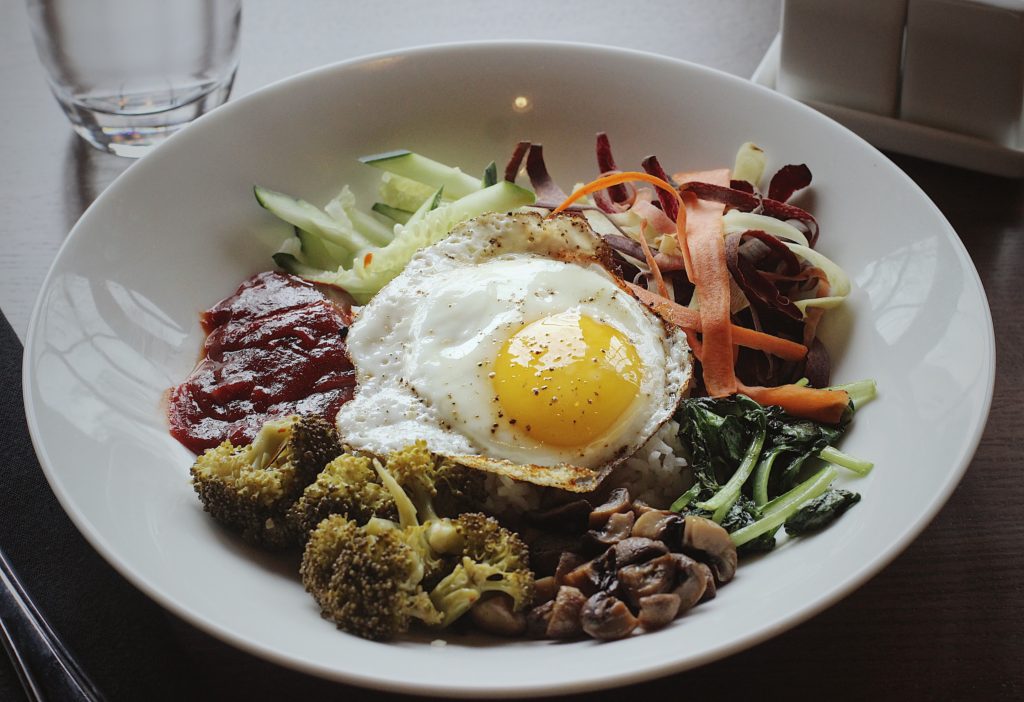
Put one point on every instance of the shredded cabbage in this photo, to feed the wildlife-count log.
(838, 281)
(739, 222)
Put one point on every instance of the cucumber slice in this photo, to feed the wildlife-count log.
(310, 218)
(343, 209)
(430, 204)
(321, 253)
(402, 193)
(370, 227)
(362, 281)
(425, 170)
(290, 264)
(392, 213)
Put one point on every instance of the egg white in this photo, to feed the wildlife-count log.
(425, 345)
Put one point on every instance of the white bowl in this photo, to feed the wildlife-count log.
(117, 324)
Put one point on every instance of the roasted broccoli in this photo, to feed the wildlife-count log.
(367, 582)
(372, 579)
(250, 488)
(435, 485)
(494, 559)
(347, 486)
(350, 486)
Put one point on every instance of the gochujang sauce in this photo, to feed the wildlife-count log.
(274, 348)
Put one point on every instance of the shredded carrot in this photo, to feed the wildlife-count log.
(651, 262)
(625, 177)
(711, 278)
(367, 259)
(811, 403)
(689, 320)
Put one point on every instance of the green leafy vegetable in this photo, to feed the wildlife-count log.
(755, 468)
(821, 511)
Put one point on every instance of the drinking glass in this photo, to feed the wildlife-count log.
(129, 73)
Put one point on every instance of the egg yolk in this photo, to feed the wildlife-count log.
(566, 379)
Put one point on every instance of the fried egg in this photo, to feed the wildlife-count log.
(509, 347)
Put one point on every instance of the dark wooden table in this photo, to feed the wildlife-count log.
(944, 621)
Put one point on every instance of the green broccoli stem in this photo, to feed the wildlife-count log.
(851, 463)
(267, 445)
(860, 391)
(776, 512)
(406, 509)
(722, 501)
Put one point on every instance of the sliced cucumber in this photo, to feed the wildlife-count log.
(291, 264)
(402, 193)
(321, 253)
(362, 281)
(343, 209)
(392, 213)
(430, 204)
(312, 219)
(425, 170)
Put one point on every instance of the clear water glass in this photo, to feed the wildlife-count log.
(129, 73)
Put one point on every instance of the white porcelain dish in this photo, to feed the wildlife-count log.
(116, 324)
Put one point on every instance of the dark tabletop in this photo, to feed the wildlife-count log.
(944, 621)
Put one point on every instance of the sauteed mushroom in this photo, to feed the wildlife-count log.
(658, 610)
(606, 617)
(618, 527)
(661, 525)
(643, 579)
(691, 581)
(565, 622)
(617, 502)
(494, 614)
(637, 549)
(710, 543)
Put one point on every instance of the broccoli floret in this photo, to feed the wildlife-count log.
(367, 582)
(494, 559)
(372, 579)
(250, 488)
(434, 484)
(348, 486)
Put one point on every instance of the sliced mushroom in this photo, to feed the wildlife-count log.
(658, 610)
(592, 575)
(544, 589)
(637, 549)
(571, 517)
(618, 527)
(710, 543)
(644, 579)
(617, 502)
(569, 562)
(640, 508)
(565, 616)
(710, 589)
(537, 619)
(661, 525)
(606, 617)
(691, 581)
(494, 615)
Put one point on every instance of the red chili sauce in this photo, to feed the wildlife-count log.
(274, 348)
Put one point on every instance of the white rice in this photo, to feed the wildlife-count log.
(657, 474)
